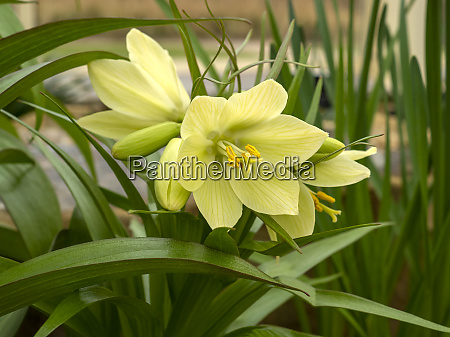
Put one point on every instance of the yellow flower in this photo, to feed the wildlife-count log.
(341, 170)
(170, 194)
(241, 131)
(141, 93)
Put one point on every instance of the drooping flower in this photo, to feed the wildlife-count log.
(246, 128)
(170, 194)
(141, 93)
(341, 170)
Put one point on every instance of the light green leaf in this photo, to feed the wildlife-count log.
(78, 266)
(83, 298)
(28, 44)
(9, 324)
(336, 299)
(280, 249)
(266, 331)
(270, 222)
(15, 84)
(281, 55)
(24, 187)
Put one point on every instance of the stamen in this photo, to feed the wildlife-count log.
(326, 197)
(331, 212)
(317, 204)
(233, 160)
(253, 151)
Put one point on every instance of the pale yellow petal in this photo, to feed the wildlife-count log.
(202, 117)
(125, 87)
(169, 192)
(357, 155)
(157, 62)
(301, 224)
(284, 136)
(262, 102)
(113, 124)
(339, 171)
(194, 156)
(271, 196)
(218, 204)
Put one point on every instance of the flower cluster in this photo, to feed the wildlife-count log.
(150, 108)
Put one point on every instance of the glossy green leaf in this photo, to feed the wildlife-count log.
(96, 225)
(279, 230)
(97, 196)
(219, 239)
(28, 44)
(336, 299)
(83, 298)
(26, 187)
(94, 262)
(13, 85)
(266, 331)
(280, 249)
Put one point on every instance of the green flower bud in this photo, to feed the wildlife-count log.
(170, 194)
(145, 141)
(329, 146)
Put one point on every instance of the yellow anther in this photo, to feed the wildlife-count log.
(253, 151)
(233, 160)
(317, 204)
(326, 197)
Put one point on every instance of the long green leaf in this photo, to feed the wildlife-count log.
(28, 44)
(12, 245)
(9, 324)
(108, 215)
(266, 331)
(30, 199)
(94, 262)
(25, 79)
(281, 55)
(280, 249)
(79, 300)
(336, 299)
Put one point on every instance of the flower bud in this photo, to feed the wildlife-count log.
(145, 141)
(329, 146)
(170, 194)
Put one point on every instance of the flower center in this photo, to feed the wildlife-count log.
(321, 207)
(229, 150)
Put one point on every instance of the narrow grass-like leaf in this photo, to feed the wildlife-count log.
(314, 107)
(335, 299)
(28, 44)
(9, 324)
(281, 55)
(25, 79)
(108, 215)
(280, 249)
(83, 298)
(266, 331)
(30, 199)
(95, 262)
(272, 224)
